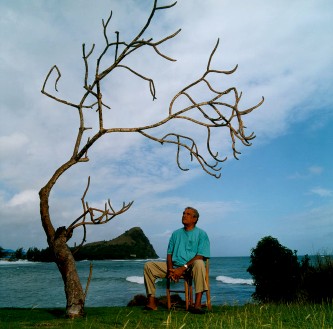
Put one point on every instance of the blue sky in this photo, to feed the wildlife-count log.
(281, 186)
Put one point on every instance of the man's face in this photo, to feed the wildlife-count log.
(189, 218)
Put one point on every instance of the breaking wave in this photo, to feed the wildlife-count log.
(230, 280)
(135, 279)
(222, 278)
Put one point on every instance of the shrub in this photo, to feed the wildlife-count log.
(275, 270)
(2, 252)
(317, 279)
(18, 254)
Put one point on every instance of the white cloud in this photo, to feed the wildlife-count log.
(12, 144)
(24, 198)
(322, 192)
(308, 173)
(316, 170)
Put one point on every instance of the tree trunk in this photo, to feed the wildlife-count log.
(66, 264)
(57, 241)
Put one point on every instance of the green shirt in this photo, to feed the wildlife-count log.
(185, 245)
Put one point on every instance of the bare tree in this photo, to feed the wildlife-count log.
(210, 113)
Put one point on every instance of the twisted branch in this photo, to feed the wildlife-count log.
(210, 111)
(94, 216)
(217, 120)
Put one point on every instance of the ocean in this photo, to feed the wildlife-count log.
(114, 283)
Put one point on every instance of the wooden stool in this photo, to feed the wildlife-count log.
(188, 289)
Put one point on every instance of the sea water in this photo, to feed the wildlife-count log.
(113, 283)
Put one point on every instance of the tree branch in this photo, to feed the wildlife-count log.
(55, 67)
(94, 216)
(208, 110)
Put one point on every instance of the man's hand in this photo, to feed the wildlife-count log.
(175, 273)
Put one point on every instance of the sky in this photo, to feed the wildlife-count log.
(281, 186)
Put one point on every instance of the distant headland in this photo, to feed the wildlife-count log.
(133, 244)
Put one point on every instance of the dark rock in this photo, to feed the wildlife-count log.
(133, 244)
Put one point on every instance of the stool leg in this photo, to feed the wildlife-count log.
(168, 294)
(209, 304)
(186, 294)
(191, 293)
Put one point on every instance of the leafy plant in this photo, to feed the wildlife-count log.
(317, 279)
(276, 271)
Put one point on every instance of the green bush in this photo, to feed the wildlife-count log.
(2, 252)
(317, 279)
(36, 255)
(279, 276)
(18, 254)
(275, 270)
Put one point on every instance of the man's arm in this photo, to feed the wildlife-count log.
(176, 273)
(169, 264)
(197, 257)
(170, 270)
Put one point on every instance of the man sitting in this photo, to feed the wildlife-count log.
(188, 248)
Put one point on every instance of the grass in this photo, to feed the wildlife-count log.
(251, 316)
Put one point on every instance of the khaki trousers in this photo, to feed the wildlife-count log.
(158, 270)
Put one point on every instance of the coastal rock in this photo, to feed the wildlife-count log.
(131, 244)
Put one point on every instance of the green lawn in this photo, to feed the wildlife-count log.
(235, 317)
